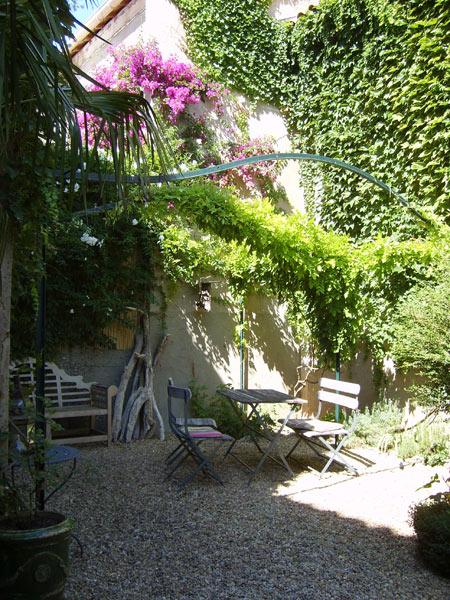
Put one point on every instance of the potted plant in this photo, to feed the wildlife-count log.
(431, 521)
(34, 542)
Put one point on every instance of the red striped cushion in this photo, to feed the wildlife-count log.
(206, 434)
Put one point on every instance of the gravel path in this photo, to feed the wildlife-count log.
(337, 538)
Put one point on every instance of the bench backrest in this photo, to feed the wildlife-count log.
(338, 392)
(61, 389)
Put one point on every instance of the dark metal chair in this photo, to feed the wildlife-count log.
(191, 433)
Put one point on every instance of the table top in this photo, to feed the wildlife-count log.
(259, 396)
(59, 454)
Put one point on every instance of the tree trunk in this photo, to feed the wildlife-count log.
(136, 403)
(5, 340)
(159, 420)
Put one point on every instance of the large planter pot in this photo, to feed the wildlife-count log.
(34, 563)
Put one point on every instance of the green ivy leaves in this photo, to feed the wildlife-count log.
(365, 81)
(342, 289)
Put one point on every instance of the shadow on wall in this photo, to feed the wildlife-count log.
(273, 355)
(201, 345)
(204, 346)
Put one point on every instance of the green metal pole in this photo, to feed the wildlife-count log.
(337, 377)
(39, 458)
(241, 345)
(240, 163)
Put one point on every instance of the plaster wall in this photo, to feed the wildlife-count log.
(127, 28)
(267, 121)
(288, 10)
(163, 24)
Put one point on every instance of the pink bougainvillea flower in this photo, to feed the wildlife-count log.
(142, 69)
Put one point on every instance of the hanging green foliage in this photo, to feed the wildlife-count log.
(346, 292)
(96, 269)
(94, 272)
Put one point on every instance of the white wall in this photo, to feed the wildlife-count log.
(127, 27)
(288, 10)
(163, 24)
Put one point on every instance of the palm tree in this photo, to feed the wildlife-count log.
(41, 99)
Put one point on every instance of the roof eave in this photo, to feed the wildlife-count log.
(99, 19)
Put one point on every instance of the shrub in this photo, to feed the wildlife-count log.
(228, 419)
(431, 522)
(428, 440)
(421, 334)
(375, 426)
(218, 408)
(381, 427)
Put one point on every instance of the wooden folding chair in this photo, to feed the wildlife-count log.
(191, 433)
(317, 433)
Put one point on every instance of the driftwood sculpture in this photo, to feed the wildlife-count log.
(136, 412)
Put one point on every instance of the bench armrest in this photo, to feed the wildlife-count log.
(102, 395)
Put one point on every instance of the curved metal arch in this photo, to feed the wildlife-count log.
(255, 159)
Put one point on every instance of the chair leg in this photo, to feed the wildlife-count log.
(293, 447)
(172, 456)
(204, 465)
(336, 456)
(181, 458)
(200, 467)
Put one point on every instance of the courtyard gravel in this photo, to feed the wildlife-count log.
(335, 538)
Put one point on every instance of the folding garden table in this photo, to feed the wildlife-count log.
(255, 423)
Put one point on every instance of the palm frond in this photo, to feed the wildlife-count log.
(41, 92)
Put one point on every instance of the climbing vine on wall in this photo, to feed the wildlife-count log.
(97, 268)
(366, 81)
(238, 43)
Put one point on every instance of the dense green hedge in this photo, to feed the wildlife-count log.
(366, 81)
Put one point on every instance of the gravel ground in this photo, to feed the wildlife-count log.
(340, 537)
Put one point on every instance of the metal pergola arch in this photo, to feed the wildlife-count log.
(300, 156)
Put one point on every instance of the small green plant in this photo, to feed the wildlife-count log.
(375, 426)
(216, 407)
(381, 427)
(428, 440)
(229, 420)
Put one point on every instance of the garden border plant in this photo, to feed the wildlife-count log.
(431, 521)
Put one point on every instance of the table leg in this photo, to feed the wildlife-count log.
(72, 471)
(271, 438)
(274, 443)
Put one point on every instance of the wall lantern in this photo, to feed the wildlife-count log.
(203, 302)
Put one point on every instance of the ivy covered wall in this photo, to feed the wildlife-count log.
(366, 81)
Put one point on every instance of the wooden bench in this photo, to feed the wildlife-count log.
(69, 397)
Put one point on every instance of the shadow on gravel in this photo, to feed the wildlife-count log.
(144, 540)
